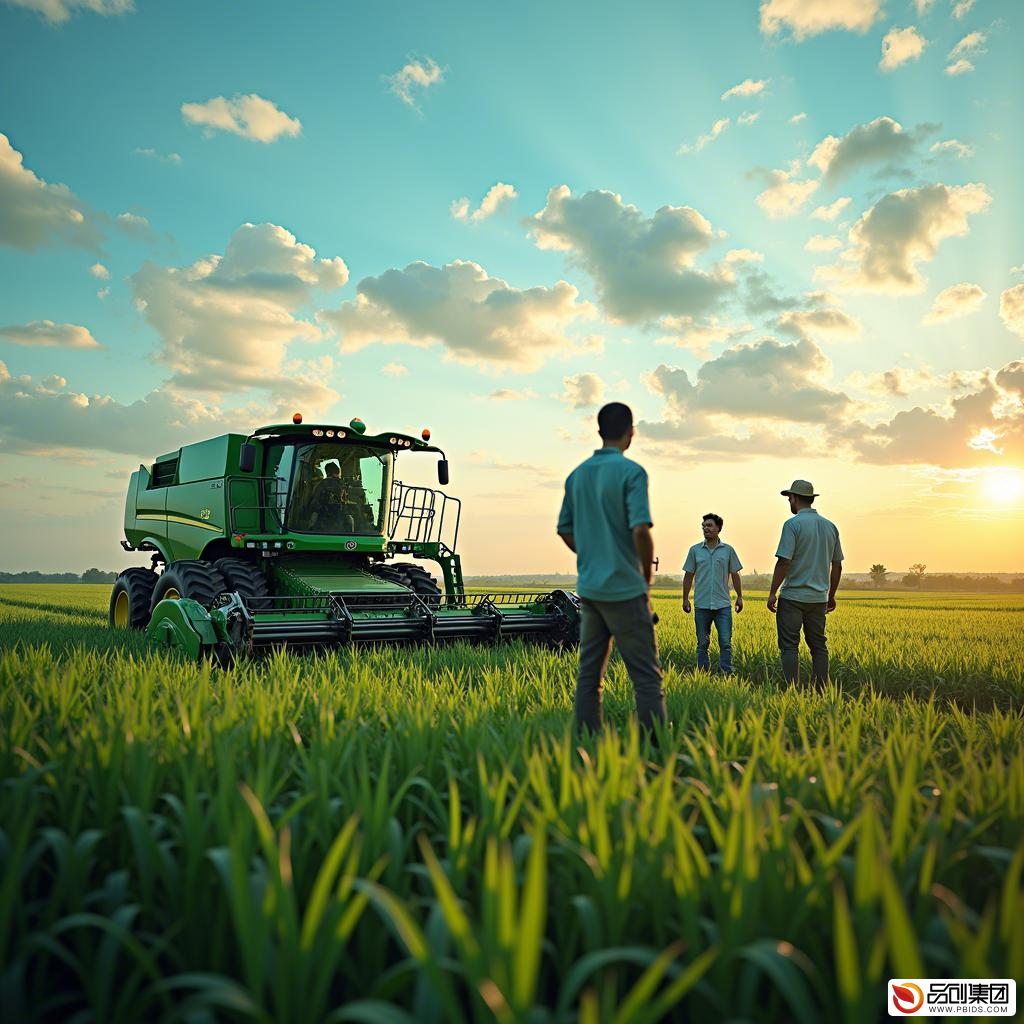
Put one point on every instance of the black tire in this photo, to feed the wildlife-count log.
(191, 578)
(246, 580)
(419, 581)
(132, 610)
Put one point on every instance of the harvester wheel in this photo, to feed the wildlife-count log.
(130, 598)
(419, 581)
(191, 578)
(245, 579)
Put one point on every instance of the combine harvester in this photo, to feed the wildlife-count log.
(289, 536)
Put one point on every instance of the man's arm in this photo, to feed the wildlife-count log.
(644, 544)
(781, 570)
(833, 585)
(569, 540)
(737, 585)
(687, 583)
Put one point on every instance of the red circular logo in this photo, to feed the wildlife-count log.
(907, 992)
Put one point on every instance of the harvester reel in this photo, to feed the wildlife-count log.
(189, 578)
(131, 598)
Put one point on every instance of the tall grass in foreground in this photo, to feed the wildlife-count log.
(395, 835)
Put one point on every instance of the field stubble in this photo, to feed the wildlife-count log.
(398, 834)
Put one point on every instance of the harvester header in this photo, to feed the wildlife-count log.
(290, 535)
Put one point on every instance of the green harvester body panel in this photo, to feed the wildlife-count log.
(317, 511)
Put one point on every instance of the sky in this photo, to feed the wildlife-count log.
(786, 233)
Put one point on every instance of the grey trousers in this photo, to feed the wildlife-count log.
(789, 618)
(629, 623)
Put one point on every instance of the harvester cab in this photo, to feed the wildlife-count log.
(293, 535)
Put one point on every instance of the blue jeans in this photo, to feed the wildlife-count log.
(722, 618)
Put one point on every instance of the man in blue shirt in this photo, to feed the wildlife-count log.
(713, 563)
(810, 560)
(606, 520)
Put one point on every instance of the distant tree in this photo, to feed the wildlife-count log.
(918, 569)
(912, 580)
(98, 576)
(878, 572)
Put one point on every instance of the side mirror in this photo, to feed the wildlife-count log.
(442, 472)
(247, 457)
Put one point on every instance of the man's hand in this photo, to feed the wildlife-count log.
(739, 604)
(830, 605)
(773, 603)
(686, 605)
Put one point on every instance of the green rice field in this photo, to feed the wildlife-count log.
(397, 834)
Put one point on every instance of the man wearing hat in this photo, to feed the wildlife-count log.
(810, 561)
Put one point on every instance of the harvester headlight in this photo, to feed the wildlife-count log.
(341, 433)
(391, 440)
(330, 433)
(318, 433)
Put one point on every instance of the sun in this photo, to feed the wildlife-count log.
(1004, 486)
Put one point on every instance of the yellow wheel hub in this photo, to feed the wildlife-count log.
(170, 594)
(122, 608)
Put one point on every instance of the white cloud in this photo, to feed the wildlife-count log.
(34, 213)
(823, 243)
(960, 67)
(797, 118)
(785, 195)
(226, 322)
(902, 230)
(901, 45)
(823, 323)
(47, 334)
(1011, 309)
(152, 154)
(922, 6)
(882, 141)
(99, 271)
(805, 18)
(512, 395)
(478, 318)
(643, 266)
(252, 117)
(394, 369)
(134, 224)
(702, 140)
(413, 79)
(955, 301)
(896, 382)
(971, 44)
(952, 147)
(497, 195)
(58, 11)
(748, 87)
(697, 336)
(961, 8)
(833, 210)
(748, 118)
(582, 391)
(744, 256)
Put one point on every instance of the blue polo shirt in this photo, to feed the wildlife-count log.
(605, 498)
(711, 567)
(812, 542)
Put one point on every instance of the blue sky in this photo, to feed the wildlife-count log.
(820, 378)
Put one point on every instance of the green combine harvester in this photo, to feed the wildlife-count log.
(290, 535)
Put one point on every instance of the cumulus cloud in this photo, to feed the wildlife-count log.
(962, 55)
(47, 334)
(134, 224)
(413, 79)
(698, 335)
(582, 391)
(98, 270)
(832, 210)
(785, 195)
(902, 230)
(34, 213)
(58, 11)
(497, 196)
(955, 301)
(823, 243)
(748, 118)
(959, 67)
(394, 369)
(951, 147)
(797, 118)
(748, 87)
(901, 45)
(702, 140)
(225, 322)
(48, 416)
(744, 256)
(897, 382)
(252, 117)
(1011, 309)
(805, 18)
(825, 322)
(643, 266)
(478, 318)
(882, 141)
(961, 8)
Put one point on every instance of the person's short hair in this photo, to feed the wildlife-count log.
(332, 469)
(717, 520)
(614, 421)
